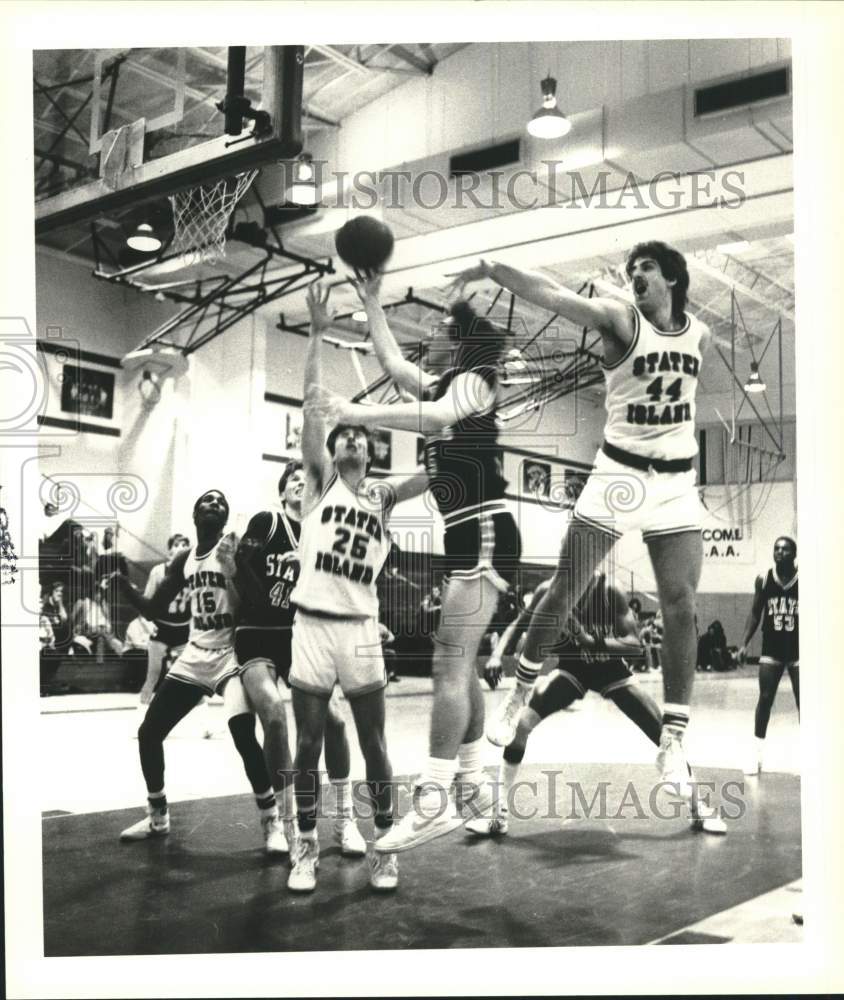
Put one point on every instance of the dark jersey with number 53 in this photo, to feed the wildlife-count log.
(272, 543)
(780, 622)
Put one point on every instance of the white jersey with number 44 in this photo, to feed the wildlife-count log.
(651, 391)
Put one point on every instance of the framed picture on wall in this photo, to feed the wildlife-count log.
(87, 392)
(293, 431)
(382, 447)
(536, 478)
(574, 483)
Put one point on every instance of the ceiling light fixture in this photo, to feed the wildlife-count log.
(144, 240)
(150, 388)
(549, 122)
(303, 190)
(754, 382)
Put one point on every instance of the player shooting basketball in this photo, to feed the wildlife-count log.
(343, 545)
(456, 410)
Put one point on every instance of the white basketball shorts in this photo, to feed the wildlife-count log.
(617, 499)
(329, 651)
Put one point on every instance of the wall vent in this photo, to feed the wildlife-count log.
(480, 160)
(742, 92)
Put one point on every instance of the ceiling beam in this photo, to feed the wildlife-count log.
(725, 279)
(342, 59)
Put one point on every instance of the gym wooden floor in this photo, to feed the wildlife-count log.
(554, 880)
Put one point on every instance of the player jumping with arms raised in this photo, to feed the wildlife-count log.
(643, 476)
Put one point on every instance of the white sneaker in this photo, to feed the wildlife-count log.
(673, 767)
(303, 876)
(383, 871)
(154, 824)
(291, 835)
(275, 841)
(350, 839)
(705, 819)
(429, 818)
(501, 727)
(493, 825)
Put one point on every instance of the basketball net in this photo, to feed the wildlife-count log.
(201, 216)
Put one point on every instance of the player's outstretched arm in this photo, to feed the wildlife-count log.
(156, 605)
(753, 618)
(314, 454)
(406, 375)
(605, 315)
(467, 395)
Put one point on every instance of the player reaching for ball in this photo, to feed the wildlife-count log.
(643, 476)
(343, 545)
(456, 411)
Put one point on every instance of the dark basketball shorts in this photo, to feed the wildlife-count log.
(483, 545)
(268, 644)
(553, 690)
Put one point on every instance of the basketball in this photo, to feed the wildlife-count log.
(364, 243)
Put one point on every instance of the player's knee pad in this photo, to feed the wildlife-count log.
(242, 728)
(553, 692)
(149, 732)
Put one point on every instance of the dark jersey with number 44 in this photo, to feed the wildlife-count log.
(780, 631)
(274, 558)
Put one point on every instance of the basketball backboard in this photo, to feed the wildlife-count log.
(119, 127)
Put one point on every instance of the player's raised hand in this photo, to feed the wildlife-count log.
(226, 550)
(367, 284)
(460, 279)
(321, 315)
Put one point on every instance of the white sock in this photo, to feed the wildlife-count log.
(342, 797)
(470, 767)
(286, 802)
(509, 774)
(760, 744)
(675, 717)
(157, 801)
(526, 673)
(438, 771)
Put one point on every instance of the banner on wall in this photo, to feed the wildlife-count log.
(728, 543)
(728, 536)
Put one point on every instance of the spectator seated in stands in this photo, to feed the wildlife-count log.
(92, 629)
(138, 634)
(712, 650)
(54, 635)
(429, 612)
(651, 639)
